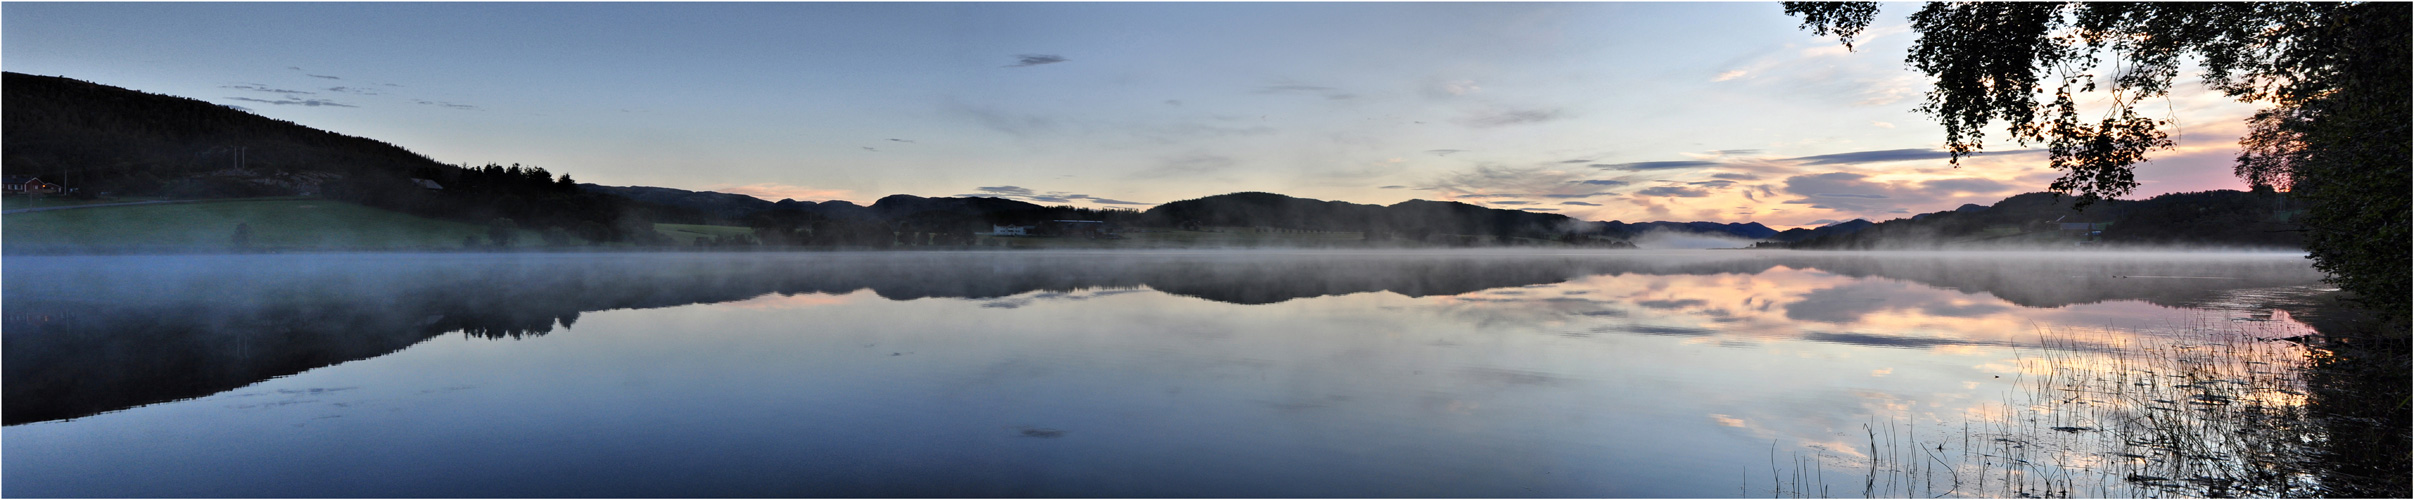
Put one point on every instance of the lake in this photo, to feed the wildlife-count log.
(1259, 373)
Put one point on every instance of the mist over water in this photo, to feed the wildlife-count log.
(1667, 240)
(1169, 373)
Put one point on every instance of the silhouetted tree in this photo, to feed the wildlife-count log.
(2335, 76)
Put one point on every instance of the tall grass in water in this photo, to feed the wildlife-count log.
(2212, 408)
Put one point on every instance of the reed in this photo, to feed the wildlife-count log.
(2211, 407)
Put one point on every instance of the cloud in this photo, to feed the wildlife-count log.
(1736, 152)
(1888, 155)
(1493, 181)
(445, 104)
(1656, 165)
(1881, 124)
(1729, 75)
(263, 88)
(1717, 184)
(1314, 90)
(1510, 202)
(1027, 194)
(352, 90)
(1393, 187)
(1859, 196)
(907, 141)
(1511, 116)
(327, 77)
(1024, 60)
(1675, 191)
(1671, 303)
(1005, 190)
(1602, 182)
(1580, 204)
(296, 102)
(1735, 176)
(1444, 152)
(1835, 185)
(776, 191)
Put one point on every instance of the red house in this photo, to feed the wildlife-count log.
(20, 184)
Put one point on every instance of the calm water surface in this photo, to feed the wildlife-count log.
(1135, 374)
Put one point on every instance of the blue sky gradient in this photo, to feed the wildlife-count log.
(1630, 111)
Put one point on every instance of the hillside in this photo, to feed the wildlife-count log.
(269, 224)
(110, 141)
(2226, 218)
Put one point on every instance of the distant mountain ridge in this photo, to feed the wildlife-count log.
(2229, 218)
(1242, 209)
(99, 138)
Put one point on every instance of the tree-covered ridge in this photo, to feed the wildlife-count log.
(102, 139)
(2222, 218)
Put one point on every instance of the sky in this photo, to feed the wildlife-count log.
(1723, 112)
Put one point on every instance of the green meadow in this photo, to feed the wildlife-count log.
(281, 223)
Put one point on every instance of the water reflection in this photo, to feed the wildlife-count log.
(92, 334)
(1491, 374)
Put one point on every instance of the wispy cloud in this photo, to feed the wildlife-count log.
(296, 102)
(1672, 191)
(263, 88)
(1024, 60)
(1857, 195)
(1735, 176)
(327, 77)
(1888, 155)
(1028, 194)
(1444, 152)
(447, 105)
(1656, 165)
(1005, 190)
(1580, 204)
(352, 90)
(1492, 181)
(1313, 90)
(1501, 117)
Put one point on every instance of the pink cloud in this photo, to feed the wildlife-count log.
(776, 192)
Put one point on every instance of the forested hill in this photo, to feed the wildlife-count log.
(102, 139)
(1413, 219)
(2223, 218)
(99, 137)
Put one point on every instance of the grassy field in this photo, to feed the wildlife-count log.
(14, 202)
(282, 223)
(686, 234)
